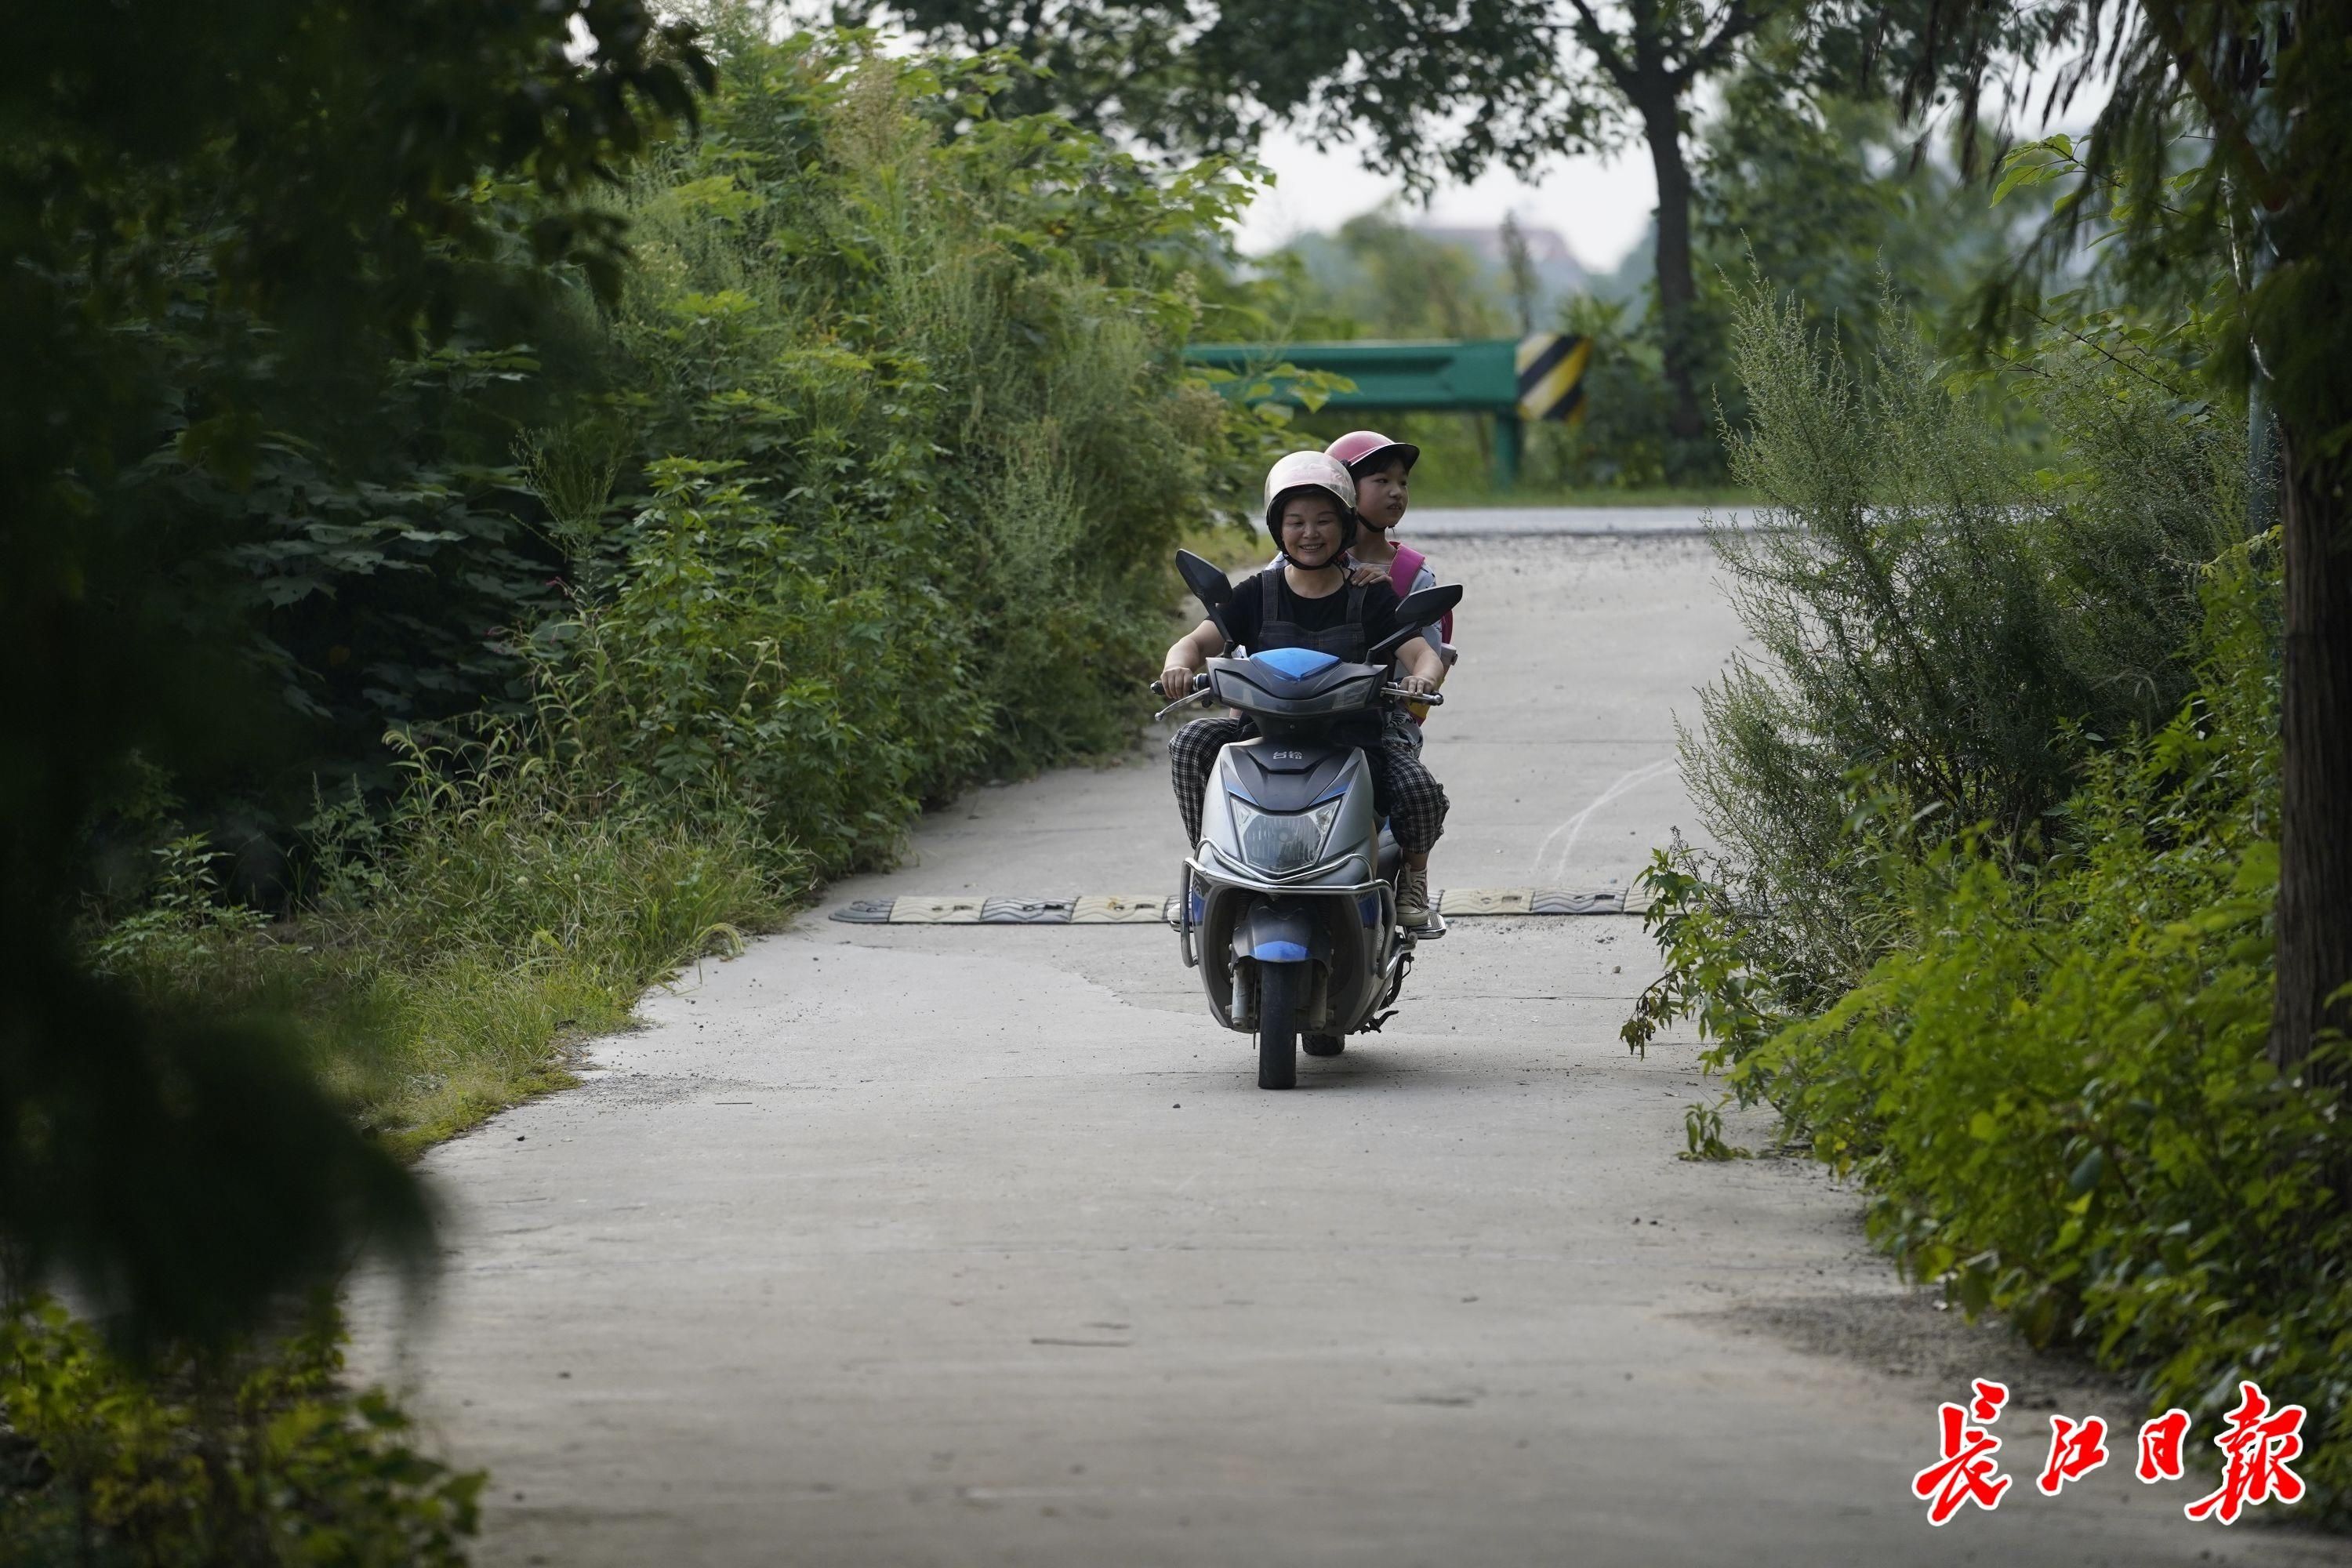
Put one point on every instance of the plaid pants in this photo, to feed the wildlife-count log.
(1405, 791)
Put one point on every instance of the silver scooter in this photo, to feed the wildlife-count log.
(1289, 910)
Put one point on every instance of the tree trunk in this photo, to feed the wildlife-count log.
(2314, 893)
(1662, 125)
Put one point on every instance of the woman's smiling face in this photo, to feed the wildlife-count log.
(1311, 529)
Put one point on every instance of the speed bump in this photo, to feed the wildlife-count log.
(1024, 911)
(1120, 909)
(1459, 901)
(1151, 909)
(1561, 901)
(922, 910)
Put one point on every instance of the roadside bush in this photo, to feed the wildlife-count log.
(520, 898)
(919, 445)
(251, 1455)
(1621, 441)
(2055, 1087)
(1987, 918)
(1941, 633)
(724, 671)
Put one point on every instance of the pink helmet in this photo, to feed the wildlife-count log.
(1365, 449)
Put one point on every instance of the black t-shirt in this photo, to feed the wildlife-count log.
(1243, 611)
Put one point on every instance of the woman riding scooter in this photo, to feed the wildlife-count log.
(1307, 601)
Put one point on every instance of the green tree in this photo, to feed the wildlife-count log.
(1819, 193)
(2220, 153)
(312, 190)
(1426, 87)
(1649, 67)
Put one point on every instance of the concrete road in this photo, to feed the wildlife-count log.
(887, 1246)
(1431, 523)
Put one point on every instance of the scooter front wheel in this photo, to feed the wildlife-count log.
(1281, 987)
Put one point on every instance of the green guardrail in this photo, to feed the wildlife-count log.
(1536, 377)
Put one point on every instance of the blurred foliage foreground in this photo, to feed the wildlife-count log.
(635, 588)
(1994, 808)
(257, 1454)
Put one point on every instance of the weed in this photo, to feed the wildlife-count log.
(251, 1455)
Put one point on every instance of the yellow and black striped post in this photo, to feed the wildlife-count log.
(1550, 379)
(1551, 375)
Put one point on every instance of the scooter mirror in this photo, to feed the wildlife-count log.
(1426, 605)
(1208, 584)
(1416, 610)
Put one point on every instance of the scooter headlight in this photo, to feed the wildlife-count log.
(1280, 842)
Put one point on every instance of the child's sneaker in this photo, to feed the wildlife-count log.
(1412, 898)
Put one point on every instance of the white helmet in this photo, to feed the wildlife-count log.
(1311, 471)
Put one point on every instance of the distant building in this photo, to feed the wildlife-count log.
(1547, 248)
(1334, 260)
(1557, 272)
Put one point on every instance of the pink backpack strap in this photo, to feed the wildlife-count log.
(1402, 570)
(1405, 566)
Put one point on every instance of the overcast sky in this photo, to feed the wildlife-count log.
(1602, 206)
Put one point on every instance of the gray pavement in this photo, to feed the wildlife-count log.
(978, 1245)
(1565, 522)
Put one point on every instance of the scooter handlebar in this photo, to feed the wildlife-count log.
(1201, 684)
(1199, 687)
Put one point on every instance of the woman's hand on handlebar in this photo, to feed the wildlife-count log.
(1181, 665)
(1418, 685)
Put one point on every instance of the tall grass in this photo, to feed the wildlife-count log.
(506, 905)
(872, 494)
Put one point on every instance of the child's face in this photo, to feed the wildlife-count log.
(1380, 495)
(1310, 530)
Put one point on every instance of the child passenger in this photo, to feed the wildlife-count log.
(1305, 600)
(1382, 471)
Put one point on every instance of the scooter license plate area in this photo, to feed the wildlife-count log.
(1314, 1007)
(1344, 976)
